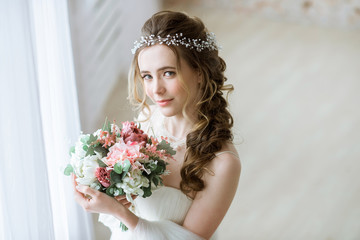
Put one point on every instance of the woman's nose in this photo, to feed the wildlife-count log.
(159, 87)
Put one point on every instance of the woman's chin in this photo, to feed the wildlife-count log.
(167, 112)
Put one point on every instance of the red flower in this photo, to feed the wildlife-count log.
(131, 133)
(103, 176)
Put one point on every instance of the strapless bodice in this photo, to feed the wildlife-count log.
(165, 203)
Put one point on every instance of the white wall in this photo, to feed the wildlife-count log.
(103, 33)
(297, 125)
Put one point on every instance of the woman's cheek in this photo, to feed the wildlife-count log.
(147, 90)
(149, 94)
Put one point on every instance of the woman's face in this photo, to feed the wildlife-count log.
(158, 69)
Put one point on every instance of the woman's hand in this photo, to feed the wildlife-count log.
(95, 201)
(122, 199)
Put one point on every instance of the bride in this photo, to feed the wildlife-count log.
(176, 65)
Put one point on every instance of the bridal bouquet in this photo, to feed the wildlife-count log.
(120, 161)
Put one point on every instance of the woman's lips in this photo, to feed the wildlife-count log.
(164, 102)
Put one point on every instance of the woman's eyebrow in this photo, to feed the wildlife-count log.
(160, 69)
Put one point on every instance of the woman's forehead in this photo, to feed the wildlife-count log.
(156, 56)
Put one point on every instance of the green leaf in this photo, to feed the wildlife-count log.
(126, 165)
(119, 191)
(118, 168)
(161, 182)
(115, 177)
(85, 148)
(123, 227)
(110, 191)
(163, 145)
(147, 191)
(91, 139)
(153, 132)
(72, 150)
(107, 125)
(89, 151)
(84, 139)
(100, 150)
(160, 167)
(156, 181)
(68, 170)
(101, 163)
(123, 175)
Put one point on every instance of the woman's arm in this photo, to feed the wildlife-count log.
(211, 204)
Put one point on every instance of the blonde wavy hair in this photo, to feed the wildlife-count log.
(213, 124)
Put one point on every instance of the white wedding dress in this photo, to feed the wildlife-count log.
(163, 213)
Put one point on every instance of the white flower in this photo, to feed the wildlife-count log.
(79, 146)
(85, 169)
(133, 182)
(97, 133)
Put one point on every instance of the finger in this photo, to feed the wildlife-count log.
(73, 178)
(121, 197)
(127, 205)
(79, 197)
(124, 202)
(87, 190)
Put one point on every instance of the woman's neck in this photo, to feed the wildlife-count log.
(178, 127)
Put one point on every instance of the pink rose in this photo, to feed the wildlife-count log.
(122, 151)
(131, 133)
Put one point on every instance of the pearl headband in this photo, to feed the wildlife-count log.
(176, 40)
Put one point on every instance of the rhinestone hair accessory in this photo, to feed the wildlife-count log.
(178, 39)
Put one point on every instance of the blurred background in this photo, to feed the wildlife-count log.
(295, 66)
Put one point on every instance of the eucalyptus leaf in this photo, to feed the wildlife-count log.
(110, 191)
(68, 170)
(84, 139)
(126, 165)
(118, 168)
(119, 191)
(72, 150)
(147, 191)
(85, 147)
(115, 177)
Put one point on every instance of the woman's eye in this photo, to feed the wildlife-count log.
(146, 77)
(169, 74)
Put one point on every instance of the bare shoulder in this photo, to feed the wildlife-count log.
(226, 163)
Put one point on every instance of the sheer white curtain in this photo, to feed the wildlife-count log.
(38, 122)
